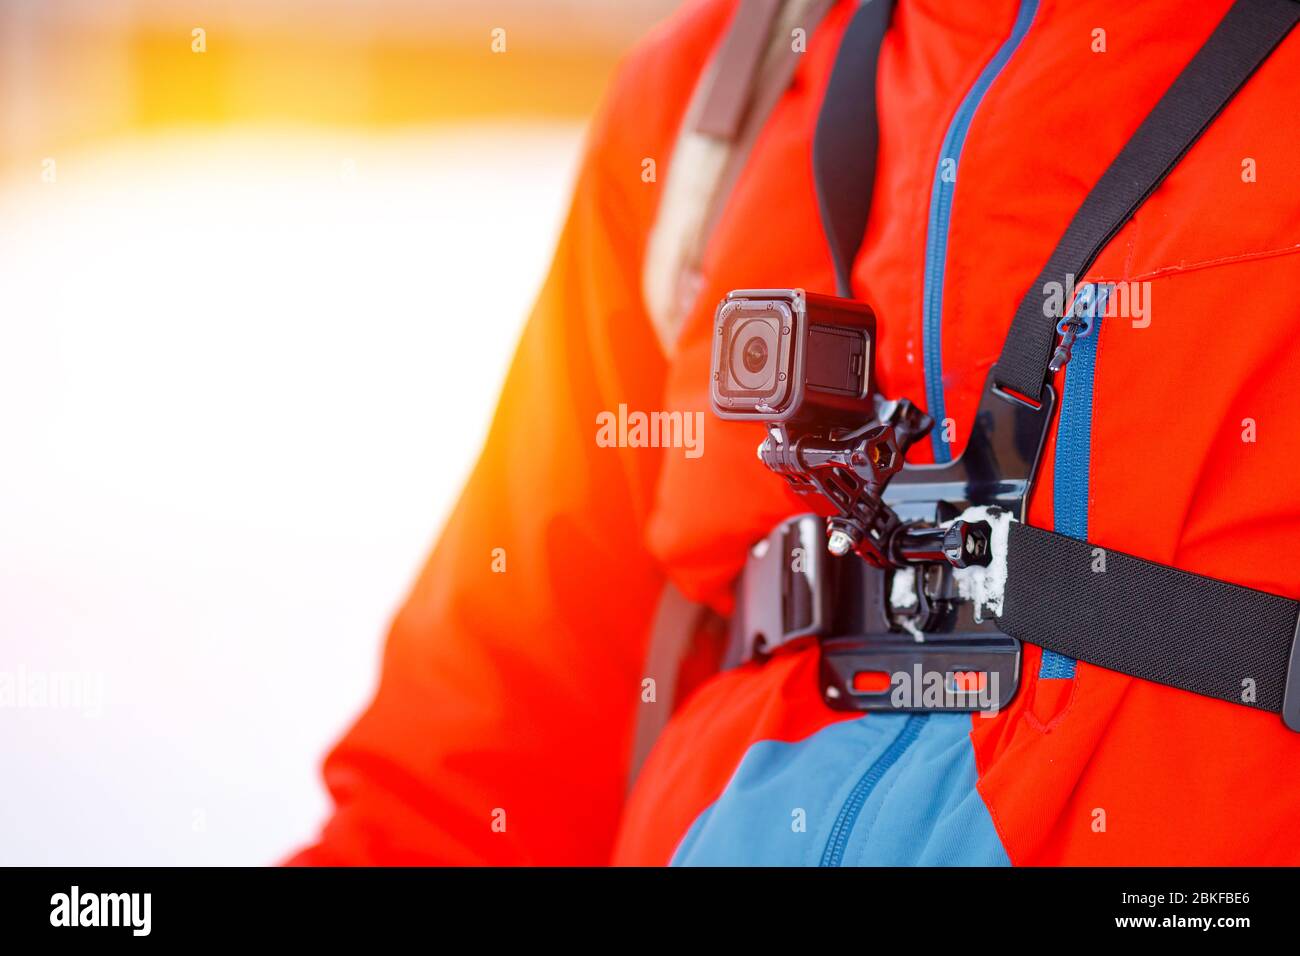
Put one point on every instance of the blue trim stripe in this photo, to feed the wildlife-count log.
(936, 242)
(1072, 471)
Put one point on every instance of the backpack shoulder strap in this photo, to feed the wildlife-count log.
(736, 92)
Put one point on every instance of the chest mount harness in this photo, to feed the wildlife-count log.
(924, 581)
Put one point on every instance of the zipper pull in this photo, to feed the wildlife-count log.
(1078, 322)
(1069, 332)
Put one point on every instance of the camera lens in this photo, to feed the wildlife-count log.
(753, 348)
(755, 354)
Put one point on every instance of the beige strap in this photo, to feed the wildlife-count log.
(736, 69)
(732, 101)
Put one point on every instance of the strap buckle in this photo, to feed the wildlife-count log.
(879, 651)
(1291, 695)
(785, 591)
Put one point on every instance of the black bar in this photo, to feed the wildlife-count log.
(939, 911)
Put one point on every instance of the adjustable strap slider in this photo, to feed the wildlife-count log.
(1291, 695)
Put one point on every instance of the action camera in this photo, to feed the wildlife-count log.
(785, 355)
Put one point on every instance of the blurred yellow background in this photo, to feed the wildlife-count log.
(72, 70)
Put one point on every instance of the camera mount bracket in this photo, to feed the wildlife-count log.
(939, 654)
(920, 647)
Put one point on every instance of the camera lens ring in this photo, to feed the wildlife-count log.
(752, 356)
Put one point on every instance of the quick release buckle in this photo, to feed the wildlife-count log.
(880, 650)
(784, 591)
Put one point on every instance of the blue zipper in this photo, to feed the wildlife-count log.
(1071, 471)
(936, 254)
(833, 855)
(936, 242)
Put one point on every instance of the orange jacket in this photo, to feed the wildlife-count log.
(501, 730)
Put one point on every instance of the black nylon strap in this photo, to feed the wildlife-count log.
(1242, 40)
(1148, 620)
(844, 143)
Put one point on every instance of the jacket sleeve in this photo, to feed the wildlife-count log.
(502, 726)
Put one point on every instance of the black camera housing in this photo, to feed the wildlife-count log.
(785, 355)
